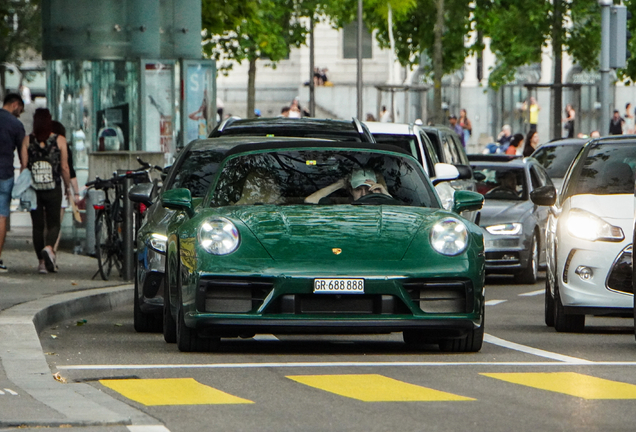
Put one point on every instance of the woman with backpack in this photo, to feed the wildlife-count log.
(45, 154)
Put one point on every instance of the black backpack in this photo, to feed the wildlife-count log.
(44, 163)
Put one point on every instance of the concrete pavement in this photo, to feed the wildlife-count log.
(30, 396)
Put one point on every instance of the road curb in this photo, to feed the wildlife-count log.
(25, 365)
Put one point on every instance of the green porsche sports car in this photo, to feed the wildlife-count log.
(323, 237)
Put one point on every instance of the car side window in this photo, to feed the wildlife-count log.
(568, 188)
(544, 178)
(462, 159)
(534, 178)
(450, 153)
(431, 155)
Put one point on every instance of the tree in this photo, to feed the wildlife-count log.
(20, 33)
(266, 30)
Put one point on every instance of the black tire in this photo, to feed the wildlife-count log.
(102, 244)
(566, 323)
(188, 339)
(169, 324)
(143, 322)
(473, 341)
(548, 303)
(529, 274)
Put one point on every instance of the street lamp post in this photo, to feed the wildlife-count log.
(605, 65)
(359, 77)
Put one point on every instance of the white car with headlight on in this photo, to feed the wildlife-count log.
(589, 236)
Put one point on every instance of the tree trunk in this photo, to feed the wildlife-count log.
(438, 65)
(557, 90)
(251, 88)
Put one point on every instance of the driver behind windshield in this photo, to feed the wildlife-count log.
(359, 184)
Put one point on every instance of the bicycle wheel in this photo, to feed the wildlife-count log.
(102, 246)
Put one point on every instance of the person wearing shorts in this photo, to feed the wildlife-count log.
(11, 136)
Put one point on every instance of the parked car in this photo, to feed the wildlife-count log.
(194, 170)
(514, 227)
(307, 127)
(415, 140)
(556, 157)
(291, 239)
(589, 236)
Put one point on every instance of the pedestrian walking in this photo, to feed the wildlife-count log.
(568, 121)
(629, 119)
(616, 124)
(533, 109)
(466, 125)
(45, 154)
(11, 137)
(515, 144)
(456, 128)
(531, 143)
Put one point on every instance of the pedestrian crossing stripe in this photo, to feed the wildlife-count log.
(375, 388)
(171, 391)
(570, 383)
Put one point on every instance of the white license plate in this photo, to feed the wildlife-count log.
(339, 286)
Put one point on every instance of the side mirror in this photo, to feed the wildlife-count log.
(141, 193)
(465, 172)
(544, 196)
(178, 199)
(445, 172)
(467, 201)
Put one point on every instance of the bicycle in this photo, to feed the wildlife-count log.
(109, 218)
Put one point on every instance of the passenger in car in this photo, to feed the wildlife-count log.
(361, 183)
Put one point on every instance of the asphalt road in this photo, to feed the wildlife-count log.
(527, 377)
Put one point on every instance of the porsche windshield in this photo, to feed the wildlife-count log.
(322, 177)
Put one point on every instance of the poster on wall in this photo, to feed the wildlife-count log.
(199, 98)
(158, 107)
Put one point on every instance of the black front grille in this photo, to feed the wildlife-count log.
(502, 258)
(443, 296)
(299, 304)
(620, 277)
(229, 295)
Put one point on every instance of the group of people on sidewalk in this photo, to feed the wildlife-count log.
(514, 144)
(44, 168)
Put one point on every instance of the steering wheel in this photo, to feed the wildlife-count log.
(376, 198)
(504, 192)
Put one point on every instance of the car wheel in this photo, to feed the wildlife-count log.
(529, 274)
(563, 322)
(471, 343)
(143, 322)
(188, 339)
(169, 324)
(549, 303)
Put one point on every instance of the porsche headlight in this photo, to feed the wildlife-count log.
(505, 229)
(587, 226)
(219, 236)
(157, 242)
(449, 236)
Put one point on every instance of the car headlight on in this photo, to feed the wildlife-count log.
(587, 226)
(157, 242)
(219, 236)
(449, 236)
(505, 229)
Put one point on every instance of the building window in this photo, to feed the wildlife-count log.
(349, 39)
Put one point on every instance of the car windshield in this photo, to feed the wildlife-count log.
(323, 177)
(607, 169)
(197, 171)
(556, 159)
(501, 182)
(405, 142)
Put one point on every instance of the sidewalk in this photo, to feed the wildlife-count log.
(29, 302)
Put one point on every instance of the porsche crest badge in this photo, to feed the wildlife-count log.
(336, 251)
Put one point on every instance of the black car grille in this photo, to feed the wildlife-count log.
(620, 277)
(299, 304)
(229, 295)
(441, 296)
(502, 258)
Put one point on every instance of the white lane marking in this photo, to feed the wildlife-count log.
(494, 302)
(532, 293)
(534, 351)
(148, 428)
(1, 392)
(337, 364)
(11, 392)
(265, 337)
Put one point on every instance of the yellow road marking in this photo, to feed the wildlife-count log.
(178, 391)
(571, 383)
(375, 388)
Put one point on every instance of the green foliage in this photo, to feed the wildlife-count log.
(629, 73)
(20, 32)
(584, 42)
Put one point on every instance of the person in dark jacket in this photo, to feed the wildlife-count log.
(616, 124)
